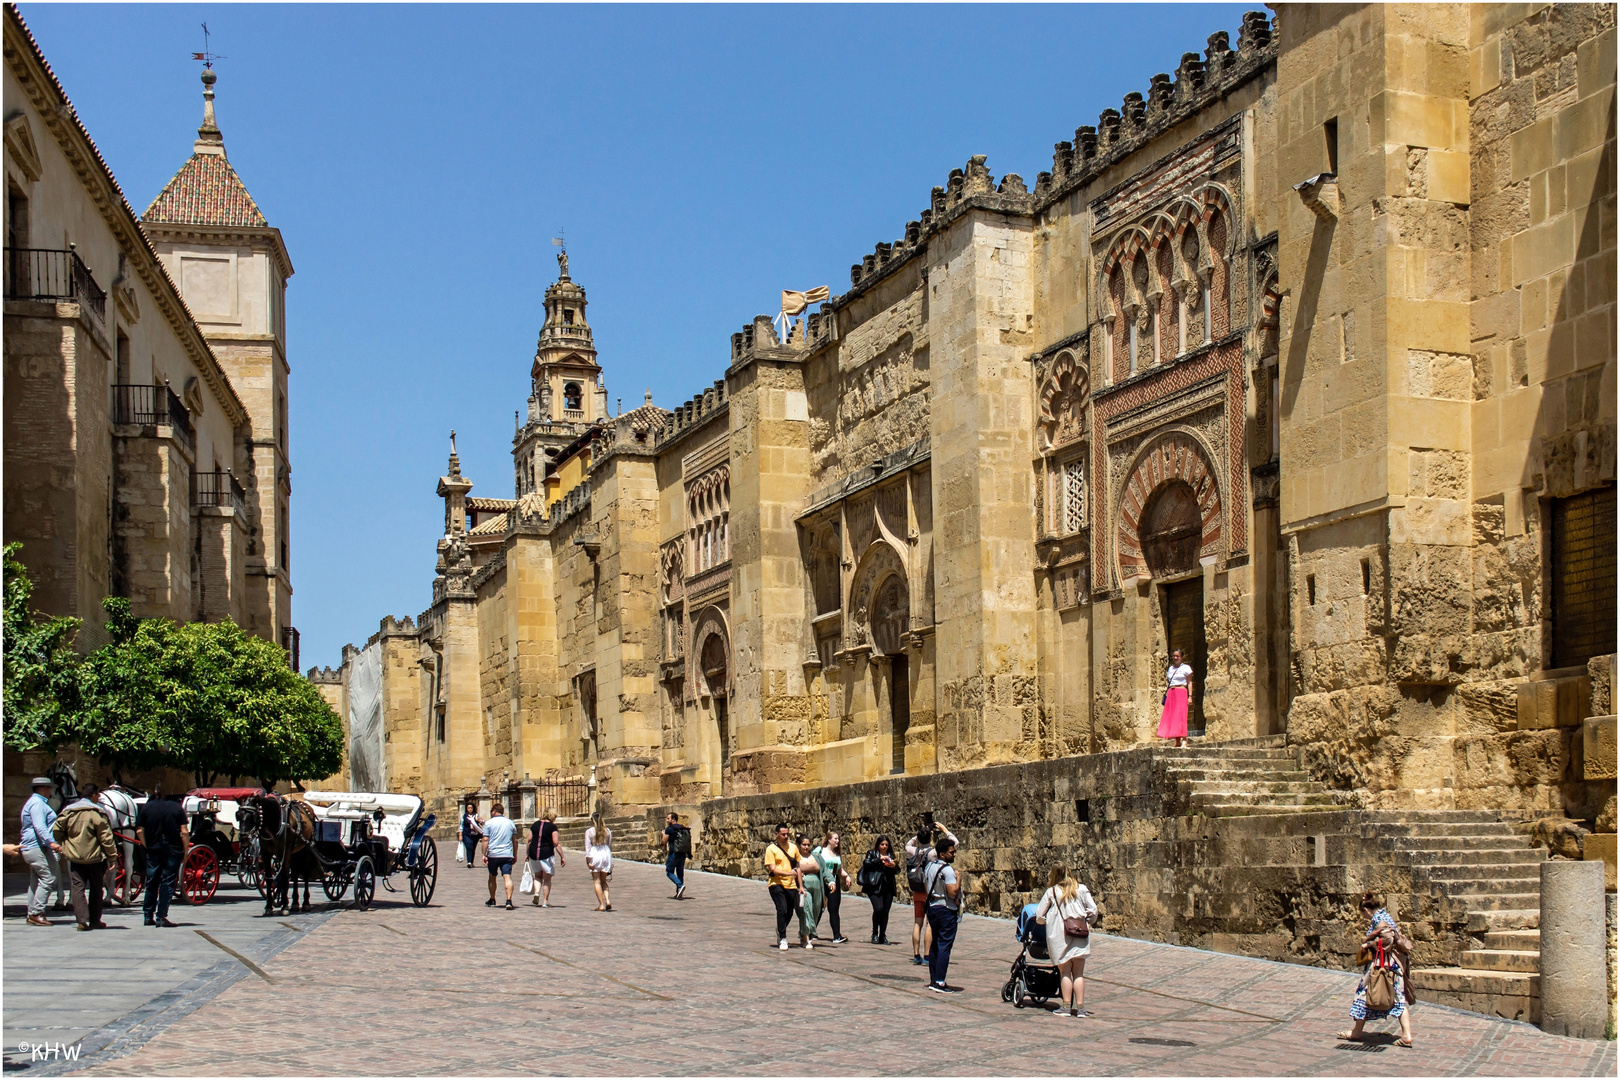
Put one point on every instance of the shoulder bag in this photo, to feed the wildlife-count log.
(1074, 927)
(1380, 983)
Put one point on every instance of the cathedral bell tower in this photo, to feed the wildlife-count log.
(566, 392)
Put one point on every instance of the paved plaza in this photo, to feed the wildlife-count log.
(664, 987)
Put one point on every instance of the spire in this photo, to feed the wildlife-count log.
(209, 140)
(648, 399)
(455, 461)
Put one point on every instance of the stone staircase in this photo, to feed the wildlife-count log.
(1251, 776)
(627, 833)
(1471, 860)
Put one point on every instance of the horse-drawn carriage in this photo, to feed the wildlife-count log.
(344, 840)
(217, 845)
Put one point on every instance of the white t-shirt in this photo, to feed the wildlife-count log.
(499, 831)
(1179, 675)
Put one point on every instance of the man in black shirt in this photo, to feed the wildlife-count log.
(161, 829)
(677, 847)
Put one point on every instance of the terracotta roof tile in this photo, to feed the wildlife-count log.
(206, 191)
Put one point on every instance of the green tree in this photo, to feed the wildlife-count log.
(41, 684)
(202, 697)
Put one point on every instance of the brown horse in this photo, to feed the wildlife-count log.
(286, 834)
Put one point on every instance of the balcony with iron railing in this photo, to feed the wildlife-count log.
(218, 488)
(148, 406)
(49, 274)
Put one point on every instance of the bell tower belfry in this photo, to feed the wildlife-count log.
(566, 392)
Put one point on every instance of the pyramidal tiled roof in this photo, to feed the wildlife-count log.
(206, 191)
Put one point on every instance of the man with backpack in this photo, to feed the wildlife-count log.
(943, 889)
(920, 854)
(677, 848)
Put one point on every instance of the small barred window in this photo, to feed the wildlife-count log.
(1074, 496)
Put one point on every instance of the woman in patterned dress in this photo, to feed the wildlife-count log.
(1382, 931)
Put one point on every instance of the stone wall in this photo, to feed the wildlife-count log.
(1279, 886)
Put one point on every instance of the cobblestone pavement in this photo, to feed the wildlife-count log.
(696, 987)
(118, 986)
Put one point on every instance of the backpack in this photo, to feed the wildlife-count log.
(917, 871)
(681, 843)
(938, 868)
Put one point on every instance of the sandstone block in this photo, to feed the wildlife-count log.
(1601, 847)
(1598, 737)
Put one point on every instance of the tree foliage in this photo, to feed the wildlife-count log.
(41, 668)
(203, 697)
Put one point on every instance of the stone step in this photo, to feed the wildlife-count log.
(1265, 798)
(1515, 872)
(1510, 995)
(1522, 961)
(1523, 918)
(1440, 817)
(1472, 856)
(1243, 809)
(1228, 755)
(1451, 830)
(1177, 772)
(1503, 901)
(1517, 940)
(1253, 787)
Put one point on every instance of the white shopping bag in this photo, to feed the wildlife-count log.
(526, 886)
(461, 853)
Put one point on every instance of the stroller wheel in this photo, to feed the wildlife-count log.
(1018, 994)
(1007, 991)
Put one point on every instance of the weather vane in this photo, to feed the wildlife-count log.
(206, 56)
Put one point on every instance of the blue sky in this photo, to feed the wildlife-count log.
(418, 159)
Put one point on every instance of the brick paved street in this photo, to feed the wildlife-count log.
(660, 987)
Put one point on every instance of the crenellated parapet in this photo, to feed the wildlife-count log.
(1197, 81)
(701, 407)
(327, 676)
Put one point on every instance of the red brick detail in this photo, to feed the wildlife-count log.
(1174, 456)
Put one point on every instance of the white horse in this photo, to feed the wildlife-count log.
(126, 876)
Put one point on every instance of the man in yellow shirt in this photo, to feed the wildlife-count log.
(782, 868)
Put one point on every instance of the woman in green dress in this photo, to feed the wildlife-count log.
(813, 895)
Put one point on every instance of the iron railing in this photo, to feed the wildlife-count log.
(218, 488)
(135, 403)
(48, 274)
(570, 798)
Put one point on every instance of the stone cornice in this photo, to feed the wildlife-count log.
(266, 238)
(27, 63)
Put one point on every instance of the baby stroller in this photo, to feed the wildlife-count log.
(1034, 976)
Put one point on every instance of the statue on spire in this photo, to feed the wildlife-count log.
(562, 263)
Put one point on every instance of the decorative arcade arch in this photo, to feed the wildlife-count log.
(1171, 495)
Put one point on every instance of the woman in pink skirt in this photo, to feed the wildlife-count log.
(1173, 722)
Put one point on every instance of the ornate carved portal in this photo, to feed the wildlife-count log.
(872, 602)
(712, 661)
(1169, 509)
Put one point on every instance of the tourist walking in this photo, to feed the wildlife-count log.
(500, 851)
(812, 891)
(161, 829)
(1173, 720)
(677, 848)
(782, 873)
(40, 849)
(599, 860)
(834, 880)
(920, 853)
(944, 894)
(86, 837)
(1382, 991)
(1068, 912)
(545, 855)
(877, 881)
(472, 830)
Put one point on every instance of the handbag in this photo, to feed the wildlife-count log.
(1380, 984)
(526, 886)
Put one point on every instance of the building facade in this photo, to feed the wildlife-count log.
(1302, 362)
(145, 379)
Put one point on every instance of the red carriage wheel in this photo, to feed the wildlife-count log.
(124, 885)
(199, 875)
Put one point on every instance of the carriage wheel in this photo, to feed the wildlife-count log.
(125, 884)
(335, 885)
(425, 874)
(199, 875)
(247, 866)
(365, 883)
